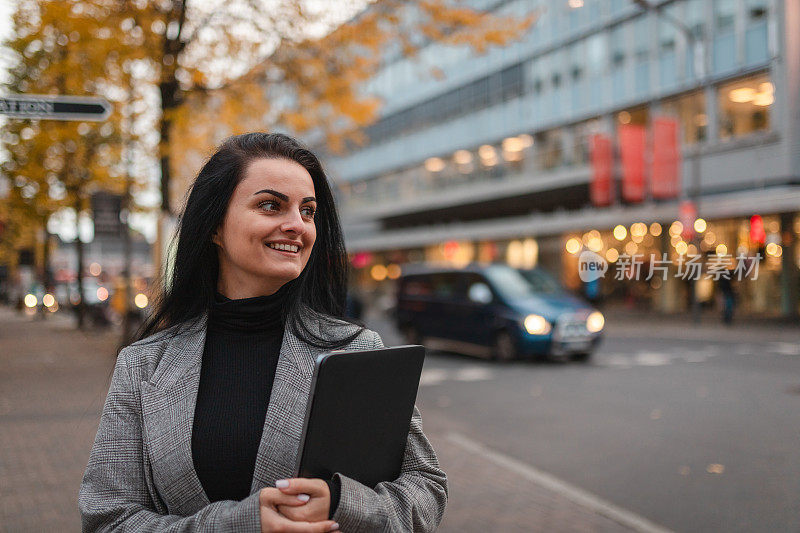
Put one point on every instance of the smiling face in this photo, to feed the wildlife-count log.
(268, 231)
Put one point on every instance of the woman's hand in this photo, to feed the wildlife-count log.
(319, 498)
(272, 521)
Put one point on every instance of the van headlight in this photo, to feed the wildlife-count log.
(595, 322)
(537, 325)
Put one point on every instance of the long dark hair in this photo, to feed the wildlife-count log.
(318, 293)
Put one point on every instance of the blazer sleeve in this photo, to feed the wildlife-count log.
(415, 501)
(114, 492)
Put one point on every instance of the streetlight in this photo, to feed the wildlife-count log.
(699, 56)
(698, 52)
(697, 45)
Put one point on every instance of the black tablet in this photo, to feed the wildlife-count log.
(358, 414)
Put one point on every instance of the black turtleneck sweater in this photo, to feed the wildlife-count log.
(243, 341)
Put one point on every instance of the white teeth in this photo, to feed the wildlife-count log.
(284, 247)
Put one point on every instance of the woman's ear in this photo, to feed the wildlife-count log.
(215, 238)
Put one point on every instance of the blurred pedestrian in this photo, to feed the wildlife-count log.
(725, 287)
(591, 290)
(201, 426)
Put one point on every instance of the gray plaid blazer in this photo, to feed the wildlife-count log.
(141, 477)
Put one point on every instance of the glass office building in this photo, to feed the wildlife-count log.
(493, 161)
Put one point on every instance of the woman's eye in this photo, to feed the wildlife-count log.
(309, 211)
(270, 203)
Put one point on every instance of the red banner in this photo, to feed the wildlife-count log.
(688, 214)
(602, 157)
(757, 233)
(632, 141)
(666, 166)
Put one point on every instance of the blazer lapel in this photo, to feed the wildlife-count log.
(168, 402)
(283, 424)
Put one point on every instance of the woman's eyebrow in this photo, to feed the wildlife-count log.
(284, 197)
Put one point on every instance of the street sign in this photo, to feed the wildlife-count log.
(41, 106)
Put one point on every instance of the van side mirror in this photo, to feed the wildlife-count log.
(480, 293)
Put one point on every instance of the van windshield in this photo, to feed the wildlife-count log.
(543, 282)
(509, 282)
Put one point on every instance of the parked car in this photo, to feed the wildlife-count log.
(495, 311)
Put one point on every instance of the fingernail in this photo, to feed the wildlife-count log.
(282, 483)
(334, 527)
(303, 497)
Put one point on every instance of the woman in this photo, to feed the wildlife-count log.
(202, 422)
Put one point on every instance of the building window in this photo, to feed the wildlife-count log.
(596, 51)
(725, 48)
(617, 44)
(641, 32)
(695, 18)
(667, 32)
(756, 9)
(492, 89)
(489, 160)
(724, 15)
(744, 106)
(756, 41)
(550, 153)
(577, 55)
(690, 112)
(582, 134)
(515, 150)
(636, 115)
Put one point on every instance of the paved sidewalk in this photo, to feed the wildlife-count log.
(52, 389)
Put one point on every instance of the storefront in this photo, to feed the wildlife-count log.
(650, 266)
(654, 275)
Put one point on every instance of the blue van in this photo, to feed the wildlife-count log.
(495, 311)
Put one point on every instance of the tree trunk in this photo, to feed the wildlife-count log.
(47, 274)
(81, 308)
(166, 125)
(170, 99)
(127, 324)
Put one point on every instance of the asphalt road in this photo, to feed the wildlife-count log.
(693, 432)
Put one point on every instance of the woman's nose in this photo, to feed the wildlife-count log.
(293, 224)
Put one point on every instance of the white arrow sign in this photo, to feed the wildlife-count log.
(40, 106)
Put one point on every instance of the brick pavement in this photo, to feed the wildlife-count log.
(52, 388)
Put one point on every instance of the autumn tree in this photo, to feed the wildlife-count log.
(55, 165)
(314, 85)
(226, 57)
(222, 54)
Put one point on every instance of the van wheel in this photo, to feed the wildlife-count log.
(411, 334)
(504, 348)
